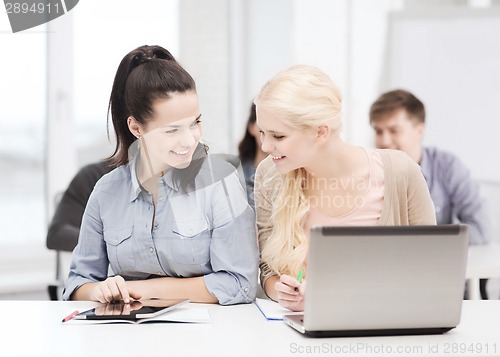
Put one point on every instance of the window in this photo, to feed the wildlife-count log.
(103, 32)
(22, 139)
(118, 27)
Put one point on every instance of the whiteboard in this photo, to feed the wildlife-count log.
(451, 61)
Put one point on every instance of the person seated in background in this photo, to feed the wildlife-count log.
(65, 225)
(250, 153)
(312, 177)
(170, 221)
(398, 118)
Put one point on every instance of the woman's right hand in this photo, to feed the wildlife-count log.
(114, 288)
(290, 292)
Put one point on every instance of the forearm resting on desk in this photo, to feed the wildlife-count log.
(193, 289)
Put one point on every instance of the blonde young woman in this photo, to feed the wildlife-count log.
(312, 177)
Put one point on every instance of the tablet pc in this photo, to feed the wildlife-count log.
(135, 310)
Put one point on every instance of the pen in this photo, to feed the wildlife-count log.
(300, 275)
(70, 316)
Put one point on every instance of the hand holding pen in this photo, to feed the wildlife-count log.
(300, 275)
(291, 291)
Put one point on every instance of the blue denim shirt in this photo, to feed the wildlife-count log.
(209, 232)
(454, 193)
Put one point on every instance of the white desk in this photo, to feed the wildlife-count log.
(483, 263)
(34, 328)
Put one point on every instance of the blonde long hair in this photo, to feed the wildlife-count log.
(304, 97)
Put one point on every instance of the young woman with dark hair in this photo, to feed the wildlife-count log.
(163, 220)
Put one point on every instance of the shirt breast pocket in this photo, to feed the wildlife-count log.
(120, 248)
(191, 241)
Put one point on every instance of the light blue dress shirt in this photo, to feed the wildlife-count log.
(454, 193)
(208, 231)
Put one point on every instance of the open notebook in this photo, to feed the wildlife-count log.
(178, 312)
(272, 310)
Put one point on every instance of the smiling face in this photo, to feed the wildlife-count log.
(290, 148)
(398, 131)
(171, 135)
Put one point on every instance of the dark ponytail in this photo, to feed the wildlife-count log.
(144, 74)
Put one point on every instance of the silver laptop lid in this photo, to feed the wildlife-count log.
(385, 277)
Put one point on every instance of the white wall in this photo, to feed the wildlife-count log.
(345, 38)
(450, 59)
(204, 52)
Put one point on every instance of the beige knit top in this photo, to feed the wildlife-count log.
(406, 197)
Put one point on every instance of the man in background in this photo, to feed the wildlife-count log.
(398, 118)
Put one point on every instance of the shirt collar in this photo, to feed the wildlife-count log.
(136, 187)
(167, 178)
(425, 164)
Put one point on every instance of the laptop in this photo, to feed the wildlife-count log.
(372, 281)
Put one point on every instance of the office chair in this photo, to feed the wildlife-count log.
(490, 195)
(62, 235)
